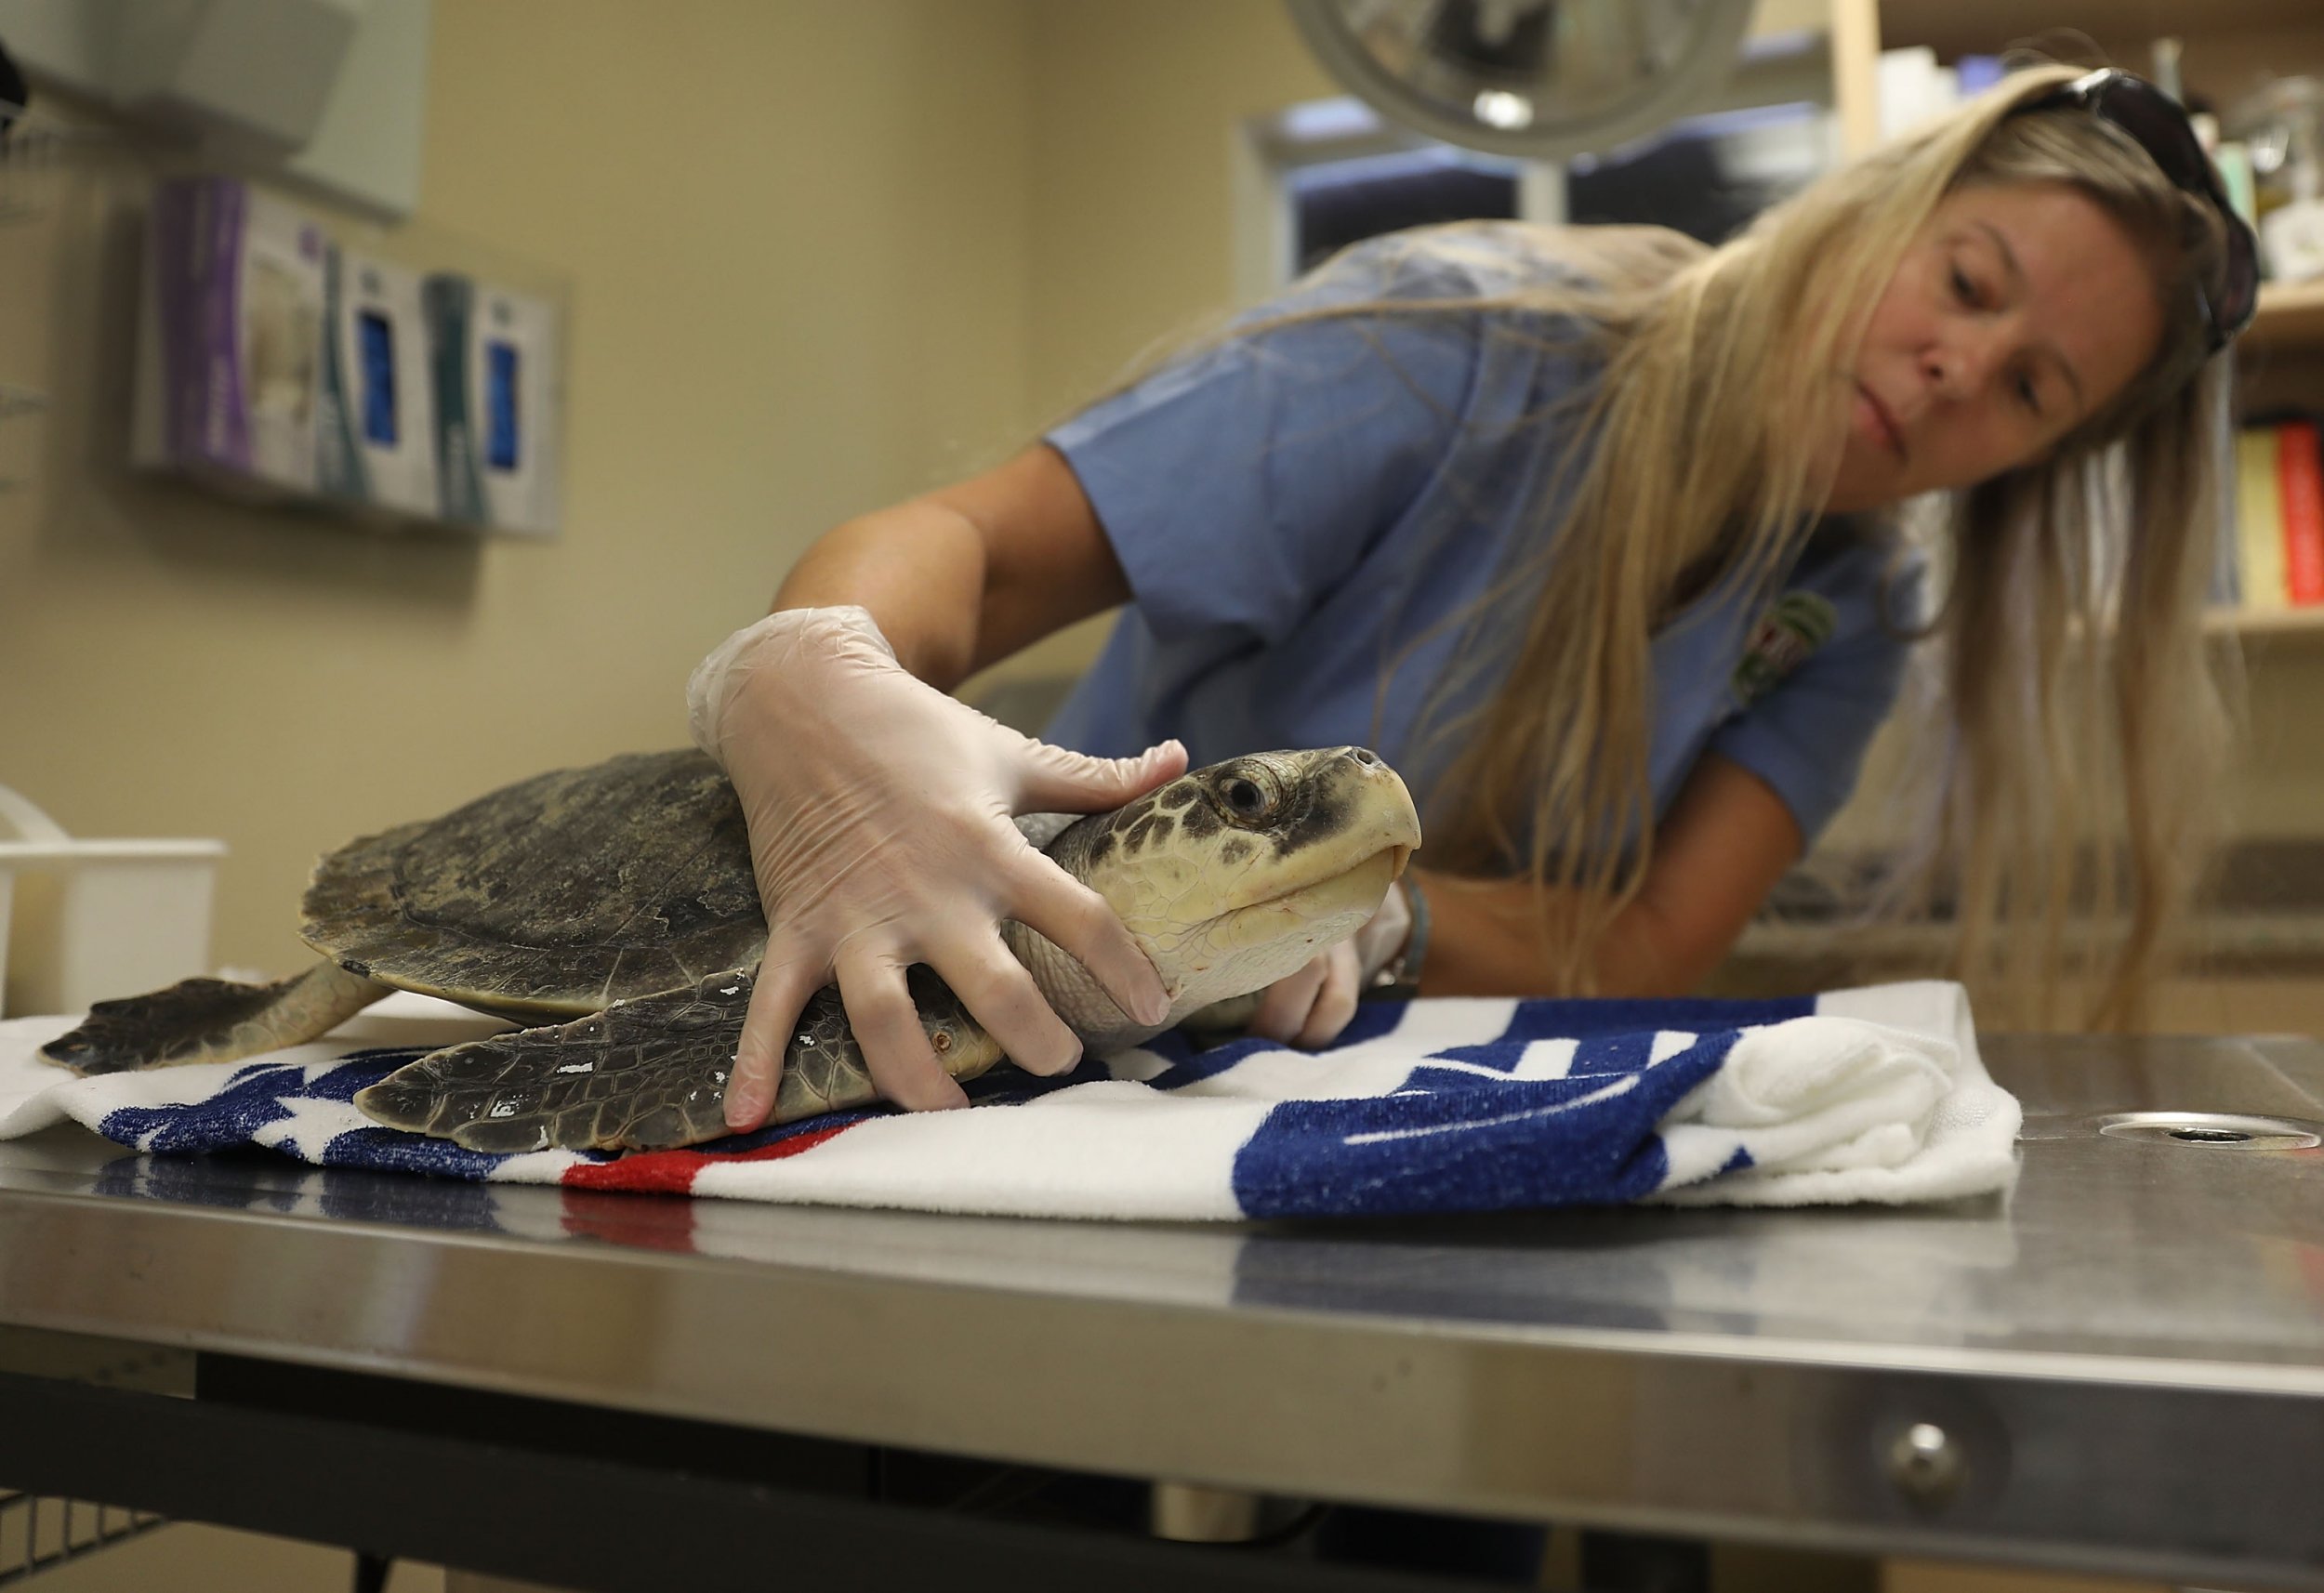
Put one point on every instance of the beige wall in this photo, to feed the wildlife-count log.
(1136, 112)
(794, 238)
(1138, 107)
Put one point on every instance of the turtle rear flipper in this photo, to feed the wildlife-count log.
(212, 1020)
(649, 1074)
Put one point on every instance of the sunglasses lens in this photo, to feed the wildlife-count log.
(2162, 128)
(2239, 301)
(2140, 110)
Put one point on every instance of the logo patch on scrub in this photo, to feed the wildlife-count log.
(1788, 633)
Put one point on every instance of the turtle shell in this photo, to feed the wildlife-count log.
(553, 897)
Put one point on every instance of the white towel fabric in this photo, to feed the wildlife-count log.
(1872, 1095)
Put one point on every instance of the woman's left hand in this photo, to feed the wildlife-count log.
(1309, 1007)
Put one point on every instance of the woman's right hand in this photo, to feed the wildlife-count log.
(880, 814)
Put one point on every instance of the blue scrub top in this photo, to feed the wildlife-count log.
(1294, 509)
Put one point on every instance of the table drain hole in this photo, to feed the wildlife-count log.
(2214, 1130)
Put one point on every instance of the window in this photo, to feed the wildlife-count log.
(1337, 203)
(1707, 176)
(1323, 175)
(1320, 175)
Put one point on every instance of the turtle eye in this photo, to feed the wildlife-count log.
(1246, 798)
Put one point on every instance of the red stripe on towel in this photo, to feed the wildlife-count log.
(672, 1172)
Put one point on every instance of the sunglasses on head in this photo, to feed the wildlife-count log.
(2155, 122)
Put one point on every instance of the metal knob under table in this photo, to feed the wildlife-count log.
(2118, 1369)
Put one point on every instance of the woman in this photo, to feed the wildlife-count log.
(1592, 534)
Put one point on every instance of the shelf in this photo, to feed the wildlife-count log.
(2266, 622)
(2291, 313)
(1956, 27)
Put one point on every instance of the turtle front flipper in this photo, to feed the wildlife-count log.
(649, 1074)
(212, 1020)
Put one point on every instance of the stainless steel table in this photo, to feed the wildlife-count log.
(2119, 1369)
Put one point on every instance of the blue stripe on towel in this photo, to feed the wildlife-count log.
(1192, 1060)
(1457, 1139)
(1486, 1147)
(1580, 1020)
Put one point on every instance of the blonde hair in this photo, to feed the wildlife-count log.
(2073, 734)
(2072, 720)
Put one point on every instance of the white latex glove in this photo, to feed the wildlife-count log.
(1310, 1007)
(879, 824)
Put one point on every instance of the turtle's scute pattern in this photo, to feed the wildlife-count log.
(552, 897)
(651, 1073)
(641, 1072)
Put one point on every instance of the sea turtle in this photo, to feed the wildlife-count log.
(612, 910)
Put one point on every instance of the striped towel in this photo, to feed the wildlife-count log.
(1425, 1106)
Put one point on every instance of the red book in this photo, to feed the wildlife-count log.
(2300, 482)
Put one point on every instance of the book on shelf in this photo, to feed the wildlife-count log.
(2300, 502)
(2277, 535)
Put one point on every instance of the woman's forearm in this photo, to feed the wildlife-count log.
(919, 567)
(964, 576)
(1724, 841)
(1485, 938)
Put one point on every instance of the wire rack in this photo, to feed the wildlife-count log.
(36, 154)
(16, 401)
(28, 160)
(33, 153)
(39, 1531)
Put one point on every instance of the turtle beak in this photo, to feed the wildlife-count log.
(1398, 857)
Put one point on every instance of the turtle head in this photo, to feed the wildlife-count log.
(1234, 875)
